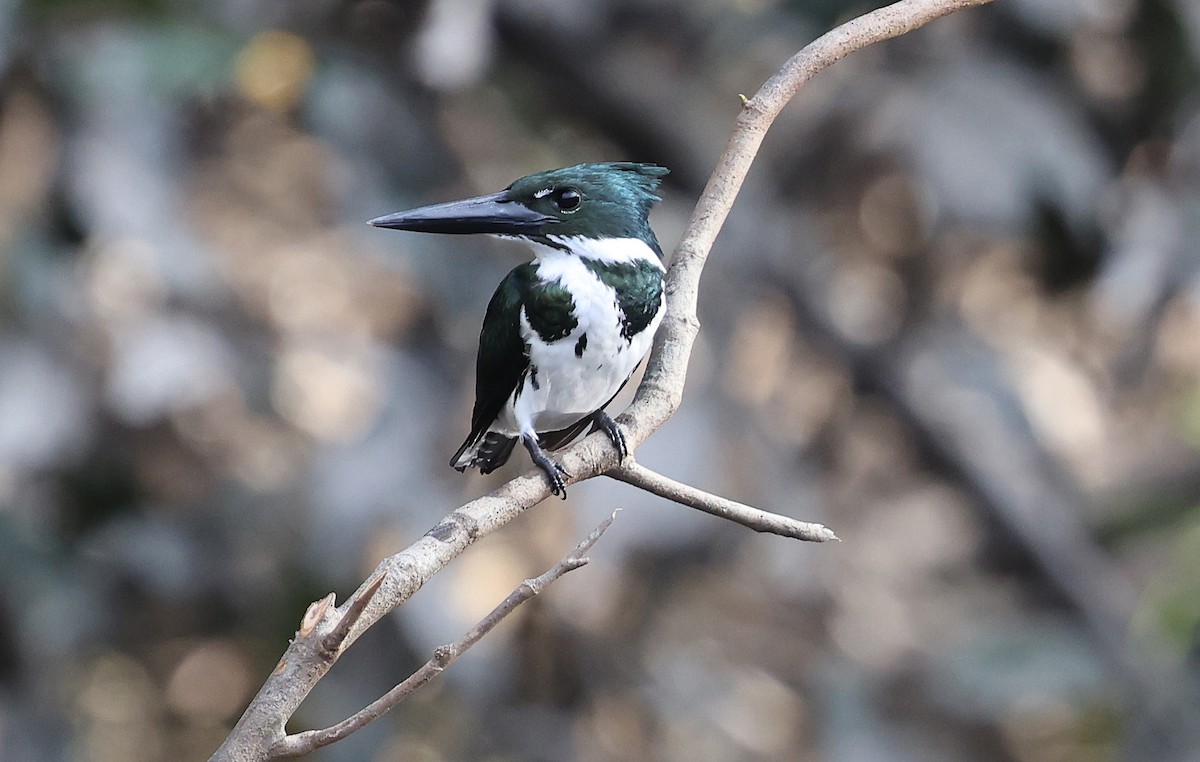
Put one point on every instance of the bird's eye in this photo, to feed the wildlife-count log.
(567, 199)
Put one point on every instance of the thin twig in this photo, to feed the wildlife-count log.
(302, 743)
(632, 472)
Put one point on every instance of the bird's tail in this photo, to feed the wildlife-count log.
(487, 453)
(492, 450)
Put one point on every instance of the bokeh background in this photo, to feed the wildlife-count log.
(955, 315)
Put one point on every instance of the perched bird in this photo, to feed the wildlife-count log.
(563, 333)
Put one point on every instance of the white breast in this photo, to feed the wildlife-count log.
(571, 385)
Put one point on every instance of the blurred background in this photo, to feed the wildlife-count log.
(955, 315)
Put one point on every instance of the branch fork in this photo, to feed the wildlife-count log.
(311, 740)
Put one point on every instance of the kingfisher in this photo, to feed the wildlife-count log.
(564, 332)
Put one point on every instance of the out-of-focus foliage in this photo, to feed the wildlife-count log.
(955, 315)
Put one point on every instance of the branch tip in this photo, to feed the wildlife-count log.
(315, 613)
(634, 473)
(600, 529)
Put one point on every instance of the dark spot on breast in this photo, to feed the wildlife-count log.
(533, 377)
(581, 345)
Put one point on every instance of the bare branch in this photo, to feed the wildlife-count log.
(310, 740)
(632, 472)
(261, 727)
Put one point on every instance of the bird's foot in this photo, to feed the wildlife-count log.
(610, 427)
(553, 470)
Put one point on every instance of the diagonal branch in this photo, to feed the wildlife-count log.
(306, 661)
(310, 740)
(661, 390)
(632, 472)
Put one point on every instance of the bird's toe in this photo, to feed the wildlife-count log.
(613, 430)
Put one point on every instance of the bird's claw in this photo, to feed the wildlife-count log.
(613, 429)
(555, 474)
(553, 470)
(557, 484)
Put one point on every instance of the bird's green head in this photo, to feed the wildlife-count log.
(610, 200)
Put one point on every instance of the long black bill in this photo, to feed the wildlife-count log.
(496, 214)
